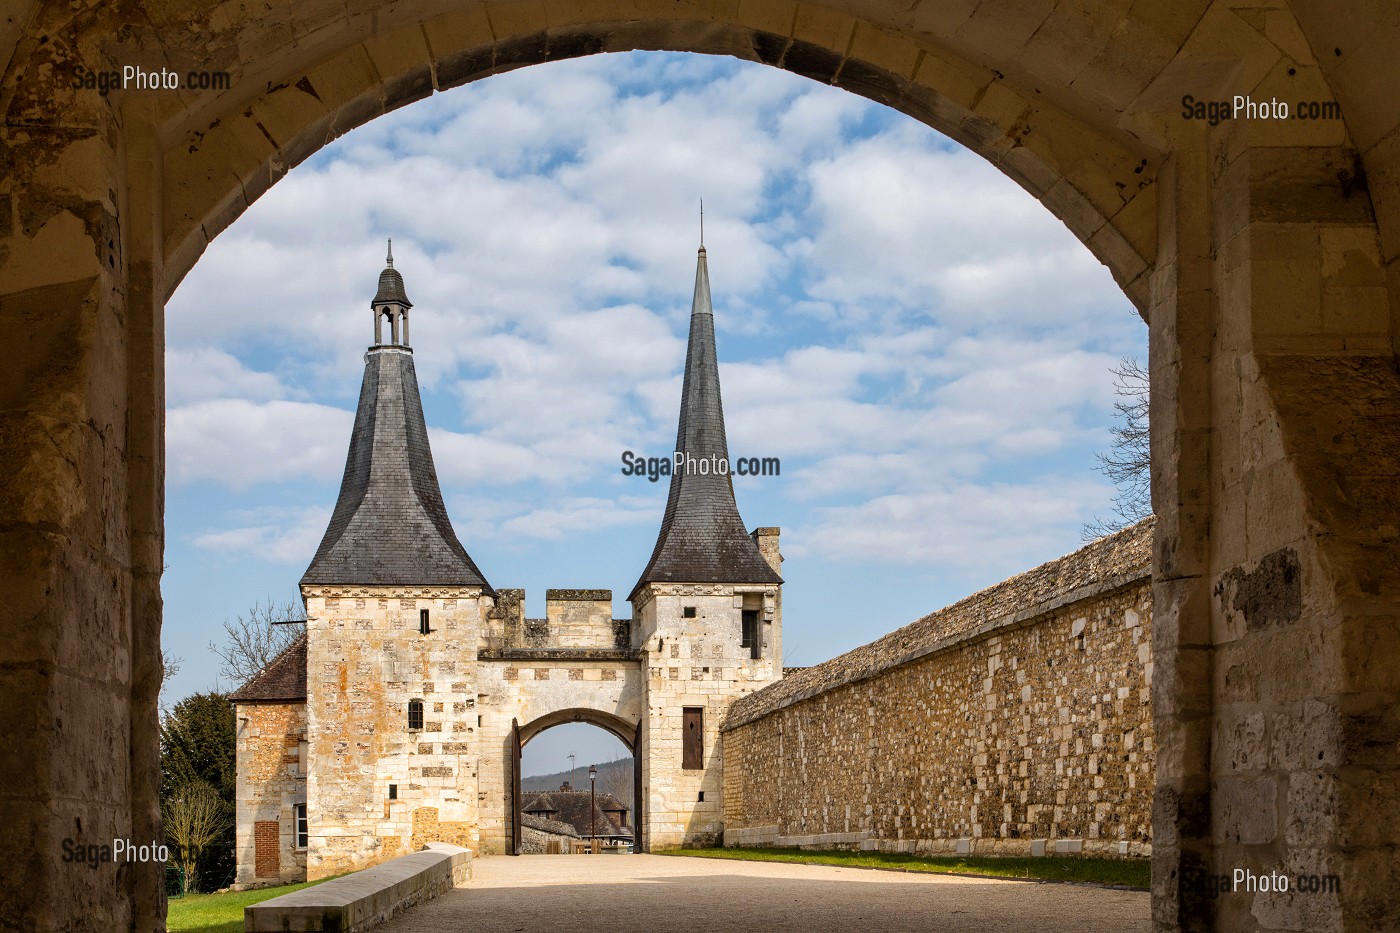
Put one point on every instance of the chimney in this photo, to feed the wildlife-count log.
(767, 541)
(565, 788)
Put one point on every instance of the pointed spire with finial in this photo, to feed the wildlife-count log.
(390, 526)
(702, 538)
(391, 283)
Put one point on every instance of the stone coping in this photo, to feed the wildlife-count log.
(366, 898)
(571, 595)
(1110, 563)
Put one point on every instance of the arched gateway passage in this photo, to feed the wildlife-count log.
(627, 730)
(1262, 253)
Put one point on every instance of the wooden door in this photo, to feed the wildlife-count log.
(515, 801)
(638, 807)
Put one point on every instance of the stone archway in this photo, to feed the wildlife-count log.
(1263, 255)
(626, 731)
(623, 729)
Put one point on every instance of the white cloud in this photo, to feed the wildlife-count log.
(939, 229)
(581, 514)
(199, 373)
(994, 529)
(238, 443)
(280, 535)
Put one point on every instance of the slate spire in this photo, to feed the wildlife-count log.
(390, 526)
(702, 537)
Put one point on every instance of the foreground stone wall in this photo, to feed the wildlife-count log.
(1014, 722)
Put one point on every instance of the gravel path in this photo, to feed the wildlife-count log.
(661, 894)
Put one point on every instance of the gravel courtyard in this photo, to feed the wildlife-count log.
(607, 894)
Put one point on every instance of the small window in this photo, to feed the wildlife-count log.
(423, 628)
(693, 739)
(688, 612)
(393, 792)
(702, 797)
(415, 715)
(300, 810)
(749, 636)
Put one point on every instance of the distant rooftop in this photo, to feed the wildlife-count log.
(282, 681)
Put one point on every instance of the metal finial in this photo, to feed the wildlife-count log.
(390, 258)
(702, 223)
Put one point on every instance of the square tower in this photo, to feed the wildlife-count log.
(707, 610)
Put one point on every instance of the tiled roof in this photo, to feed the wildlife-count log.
(1103, 565)
(571, 807)
(390, 526)
(702, 538)
(547, 826)
(282, 681)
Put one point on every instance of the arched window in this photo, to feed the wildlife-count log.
(415, 715)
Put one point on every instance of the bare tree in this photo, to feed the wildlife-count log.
(1129, 463)
(170, 666)
(251, 642)
(615, 778)
(195, 818)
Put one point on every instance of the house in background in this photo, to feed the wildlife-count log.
(540, 836)
(591, 816)
(270, 722)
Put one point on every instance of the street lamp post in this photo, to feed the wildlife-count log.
(593, 809)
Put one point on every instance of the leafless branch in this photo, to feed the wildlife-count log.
(1129, 461)
(251, 642)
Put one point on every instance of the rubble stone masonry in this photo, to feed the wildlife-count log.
(271, 781)
(1014, 722)
(378, 782)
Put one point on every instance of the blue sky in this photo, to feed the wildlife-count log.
(923, 345)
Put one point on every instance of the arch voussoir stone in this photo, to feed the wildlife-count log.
(1087, 178)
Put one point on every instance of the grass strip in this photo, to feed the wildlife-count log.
(1130, 873)
(221, 913)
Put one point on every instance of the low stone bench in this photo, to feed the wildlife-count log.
(366, 898)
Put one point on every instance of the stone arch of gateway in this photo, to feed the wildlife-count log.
(1261, 253)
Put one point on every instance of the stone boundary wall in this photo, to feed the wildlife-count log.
(365, 899)
(1014, 722)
